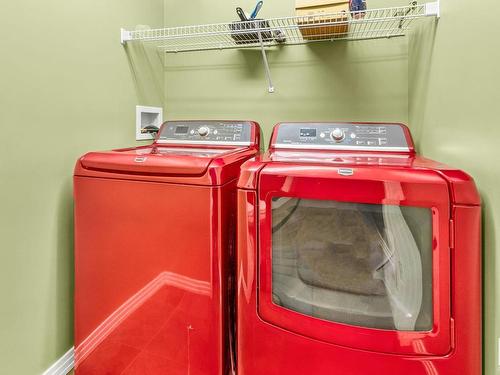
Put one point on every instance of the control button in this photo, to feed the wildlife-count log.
(203, 131)
(353, 135)
(337, 135)
(215, 131)
(371, 143)
(322, 135)
(191, 132)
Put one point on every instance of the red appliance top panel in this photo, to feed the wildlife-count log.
(207, 162)
(326, 165)
(300, 148)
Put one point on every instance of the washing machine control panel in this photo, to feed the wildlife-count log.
(342, 136)
(206, 132)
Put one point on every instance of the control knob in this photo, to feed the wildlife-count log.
(337, 135)
(203, 131)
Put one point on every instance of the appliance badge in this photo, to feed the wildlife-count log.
(140, 159)
(346, 171)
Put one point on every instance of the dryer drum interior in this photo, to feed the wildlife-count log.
(359, 264)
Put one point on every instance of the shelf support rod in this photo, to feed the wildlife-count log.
(264, 58)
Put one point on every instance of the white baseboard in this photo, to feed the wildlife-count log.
(63, 365)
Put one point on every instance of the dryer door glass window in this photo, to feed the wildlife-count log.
(358, 264)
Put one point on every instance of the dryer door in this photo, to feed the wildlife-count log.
(357, 260)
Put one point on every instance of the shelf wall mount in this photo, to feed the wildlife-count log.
(286, 31)
(124, 36)
(433, 9)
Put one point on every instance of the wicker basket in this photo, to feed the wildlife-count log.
(315, 28)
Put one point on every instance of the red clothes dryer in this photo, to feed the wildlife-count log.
(356, 256)
(154, 229)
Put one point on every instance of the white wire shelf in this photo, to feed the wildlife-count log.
(265, 33)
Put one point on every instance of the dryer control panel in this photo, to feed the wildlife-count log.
(342, 136)
(206, 132)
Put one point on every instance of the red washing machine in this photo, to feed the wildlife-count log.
(356, 256)
(154, 230)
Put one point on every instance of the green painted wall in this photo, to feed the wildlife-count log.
(454, 76)
(66, 86)
(342, 81)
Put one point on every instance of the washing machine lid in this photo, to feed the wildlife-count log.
(154, 160)
(187, 152)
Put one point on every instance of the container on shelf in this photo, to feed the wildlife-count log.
(320, 27)
(310, 7)
(245, 32)
(357, 8)
(324, 27)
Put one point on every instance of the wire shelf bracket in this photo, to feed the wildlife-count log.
(270, 88)
(296, 30)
